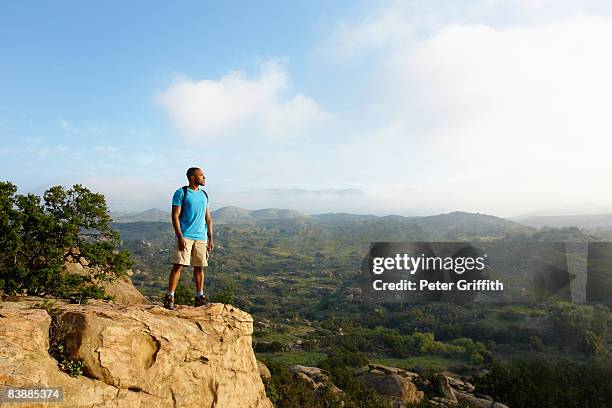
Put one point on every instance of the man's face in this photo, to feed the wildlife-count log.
(200, 178)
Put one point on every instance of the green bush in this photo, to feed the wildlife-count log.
(224, 293)
(287, 391)
(546, 383)
(357, 394)
(183, 295)
(74, 368)
(268, 347)
(577, 328)
(38, 235)
(536, 343)
(339, 358)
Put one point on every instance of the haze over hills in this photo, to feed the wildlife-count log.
(588, 221)
(150, 215)
(459, 221)
(224, 215)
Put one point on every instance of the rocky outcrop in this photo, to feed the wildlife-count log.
(135, 355)
(392, 383)
(124, 292)
(451, 390)
(402, 388)
(443, 388)
(316, 379)
(122, 288)
(264, 371)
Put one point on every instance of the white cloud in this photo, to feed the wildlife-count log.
(396, 23)
(235, 103)
(484, 116)
(488, 106)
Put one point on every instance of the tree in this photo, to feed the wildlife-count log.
(38, 235)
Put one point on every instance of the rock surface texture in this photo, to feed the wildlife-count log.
(451, 390)
(135, 355)
(122, 289)
(392, 383)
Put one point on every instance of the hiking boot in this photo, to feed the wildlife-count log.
(169, 302)
(201, 301)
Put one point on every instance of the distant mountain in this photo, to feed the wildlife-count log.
(451, 226)
(237, 215)
(229, 214)
(276, 214)
(224, 215)
(588, 221)
(466, 221)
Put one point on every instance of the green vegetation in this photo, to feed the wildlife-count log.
(382, 340)
(73, 367)
(38, 235)
(579, 329)
(285, 390)
(183, 295)
(423, 363)
(299, 278)
(545, 383)
(305, 358)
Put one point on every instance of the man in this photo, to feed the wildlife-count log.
(194, 235)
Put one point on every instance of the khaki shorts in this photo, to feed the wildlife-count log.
(195, 253)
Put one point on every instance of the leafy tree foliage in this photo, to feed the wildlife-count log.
(38, 234)
(545, 383)
(581, 329)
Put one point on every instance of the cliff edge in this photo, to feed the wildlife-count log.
(134, 355)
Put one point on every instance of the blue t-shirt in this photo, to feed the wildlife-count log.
(193, 218)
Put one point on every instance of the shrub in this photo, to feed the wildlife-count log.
(38, 235)
(545, 383)
(183, 295)
(224, 293)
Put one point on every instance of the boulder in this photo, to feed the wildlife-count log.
(478, 402)
(124, 291)
(443, 389)
(392, 370)
(135, 355)
(315, 378)
(393, 386)
(457, 383)
(263, 370)
(122, 288)
(453, 390)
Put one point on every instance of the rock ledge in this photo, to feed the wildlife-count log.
(135, 355)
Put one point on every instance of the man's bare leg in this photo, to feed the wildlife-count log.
(198, 278)
(175, 275)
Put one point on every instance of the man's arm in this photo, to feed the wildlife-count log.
(209, 223)
(176, 210)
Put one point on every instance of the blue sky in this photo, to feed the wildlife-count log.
(369, 107)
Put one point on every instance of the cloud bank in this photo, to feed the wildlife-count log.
(235, 103)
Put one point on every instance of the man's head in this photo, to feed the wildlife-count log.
(195, 175)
